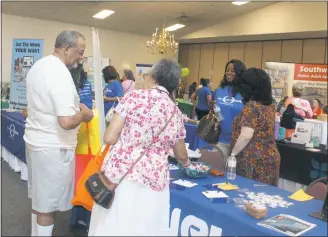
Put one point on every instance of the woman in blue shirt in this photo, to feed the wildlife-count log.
(230, 101)
(113, 90)
(204, 95)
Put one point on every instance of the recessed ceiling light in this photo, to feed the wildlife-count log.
(174, 27)
(103, 14)
(239, 3)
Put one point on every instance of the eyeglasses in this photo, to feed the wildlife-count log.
(81, 52)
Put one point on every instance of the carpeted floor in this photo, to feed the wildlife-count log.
(16, 208)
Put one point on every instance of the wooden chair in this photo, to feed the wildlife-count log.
(318, 188)
(213, 157)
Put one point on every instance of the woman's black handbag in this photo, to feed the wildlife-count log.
(289, 118)
(209, 128)
(102, 189)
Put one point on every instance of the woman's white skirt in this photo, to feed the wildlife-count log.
(136, 211)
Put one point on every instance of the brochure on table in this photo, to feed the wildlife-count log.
(287, 224)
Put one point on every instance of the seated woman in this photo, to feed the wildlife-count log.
(204, 98)
(302, 107)
(113, 90)
(316, 109)
(253, 142)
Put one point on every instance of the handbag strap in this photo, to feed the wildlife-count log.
(128, 88)
(139, 158)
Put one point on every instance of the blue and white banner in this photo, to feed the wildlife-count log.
(25, 53)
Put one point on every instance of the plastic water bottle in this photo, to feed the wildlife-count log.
(218, 112)
(231, 167)
(282, 110)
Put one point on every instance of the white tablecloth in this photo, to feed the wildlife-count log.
(16, 164)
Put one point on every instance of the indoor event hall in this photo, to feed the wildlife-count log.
(164, 118)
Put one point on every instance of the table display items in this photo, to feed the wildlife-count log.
(195, 169)
(231, 167)
(256, 210)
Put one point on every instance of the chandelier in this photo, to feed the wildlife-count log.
(162, 43)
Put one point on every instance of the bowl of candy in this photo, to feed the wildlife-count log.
(195, 169)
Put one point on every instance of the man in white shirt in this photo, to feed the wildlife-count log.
(54, 116)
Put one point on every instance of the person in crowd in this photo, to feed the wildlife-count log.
(316, 108)
(229, 101)
(281, 105)
(54, 115)
(82, 84)
(204, 96)
(128, 83)
(113, 90)
(192, 89)
(253, 142)
(302, 107)
(325, 109)
(180, 90)
(200, 84)
(137, 122)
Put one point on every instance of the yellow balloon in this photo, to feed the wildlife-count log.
(184, 72)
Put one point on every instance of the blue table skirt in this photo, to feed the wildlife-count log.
(192, 137)
(12, 132)
(193, 214)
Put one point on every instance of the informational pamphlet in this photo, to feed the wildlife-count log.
(287, 224)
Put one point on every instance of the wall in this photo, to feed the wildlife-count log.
(281, 17)
(202, 59)
(124, 50)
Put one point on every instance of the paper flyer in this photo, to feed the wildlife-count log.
(25, 53)
(287, 224)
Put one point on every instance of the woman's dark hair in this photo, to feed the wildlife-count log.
(79, 76)
(239, 67)
(110, 73)
(205, 82)
(194, 83)
(319, 102)
(166, 73)
(255, 85)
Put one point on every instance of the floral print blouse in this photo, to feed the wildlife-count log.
(260, 159)
(146, 112)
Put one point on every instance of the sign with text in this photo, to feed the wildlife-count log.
(310, 72)
(313, 77)
(25, 53)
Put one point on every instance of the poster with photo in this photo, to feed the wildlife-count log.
(142, 71)
(312, 76)
(25, 52)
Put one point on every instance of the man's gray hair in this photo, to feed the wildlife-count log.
(166, 72)
(68, 38)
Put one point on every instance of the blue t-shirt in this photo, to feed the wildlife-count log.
(230, 108)
(86, 94)
(112, 89)
(202, 94)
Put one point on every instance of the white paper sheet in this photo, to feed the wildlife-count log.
(185, 183)
(214, 194)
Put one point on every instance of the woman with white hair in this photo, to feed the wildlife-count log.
(302, 107)
(141, 206)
